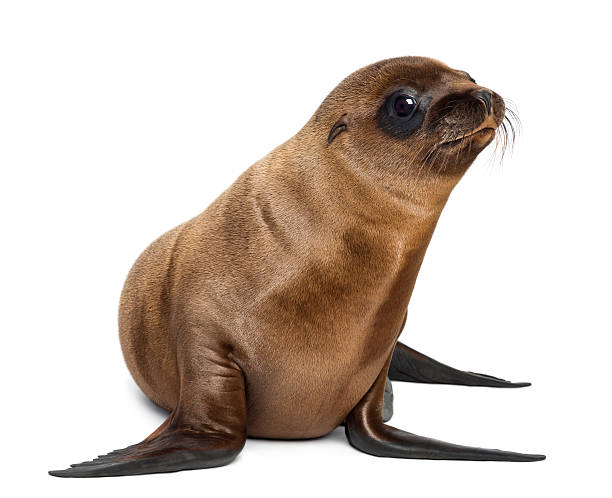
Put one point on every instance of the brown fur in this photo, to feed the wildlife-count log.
(293, 284)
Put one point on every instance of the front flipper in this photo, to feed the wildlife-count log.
(366, 431)
(172, 450)
(409, 365)
(206, 429)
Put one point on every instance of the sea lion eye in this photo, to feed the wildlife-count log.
(404, 105)
(402, 114)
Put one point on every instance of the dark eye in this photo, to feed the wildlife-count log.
(402, 114)
(404, 105)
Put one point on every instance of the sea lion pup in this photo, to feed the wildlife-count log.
(275, 313)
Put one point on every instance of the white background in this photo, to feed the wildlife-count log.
(122, 119)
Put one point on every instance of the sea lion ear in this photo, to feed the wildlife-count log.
(339, 126)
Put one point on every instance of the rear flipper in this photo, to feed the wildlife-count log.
(409, 365)
(366, 431)
(172, 450)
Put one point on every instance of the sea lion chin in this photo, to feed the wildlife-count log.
(276, 312)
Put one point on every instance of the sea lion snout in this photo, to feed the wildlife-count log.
(467, 119)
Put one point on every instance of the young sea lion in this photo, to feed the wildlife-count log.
(275, 313)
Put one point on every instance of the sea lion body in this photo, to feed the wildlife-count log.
(275, 313)
(306, 313)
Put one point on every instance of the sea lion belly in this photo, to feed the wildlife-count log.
(314, 346)
(304, 393)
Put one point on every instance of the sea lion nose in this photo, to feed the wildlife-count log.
(485, 96)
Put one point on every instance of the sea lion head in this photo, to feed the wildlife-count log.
(411, 116)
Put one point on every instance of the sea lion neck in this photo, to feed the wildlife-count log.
(354, 187)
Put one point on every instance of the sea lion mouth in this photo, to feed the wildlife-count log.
(481, 133)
